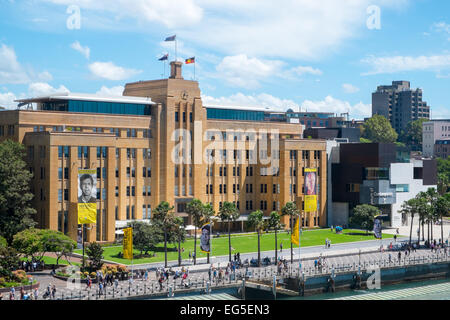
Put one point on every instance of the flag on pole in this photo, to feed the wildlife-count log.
(295, 236)
(164, 57)
(190, 60)
(172, 38)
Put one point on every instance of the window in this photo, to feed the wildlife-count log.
(66, 173)
(66, 194)
(60, 173)
(117, 192)
(42, 173)
(352, 187)
(176, 116)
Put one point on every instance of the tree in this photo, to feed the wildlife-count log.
(443, 168)
(229, 213)
(29, 243)
(255, 220)
(195, 210)
(165, 218)
(290, 209)
(363, 216)
(57, 242)
(9, 259)
(442, 208)
(411, 207)
(94, 252)
(145, 236)
(16, 213)
(274, 223)
(412, 135)
(3, 242)
(379, 129)
(180, 233)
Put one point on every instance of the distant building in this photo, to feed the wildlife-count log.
(315, 119)
(400, 104)
(375, 174)
(351, 134)
(432, 131)
(442, 148)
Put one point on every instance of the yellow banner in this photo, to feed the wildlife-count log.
(310, 189)
(87, 213)
(87, 196)
(128, 243)
(295, 238)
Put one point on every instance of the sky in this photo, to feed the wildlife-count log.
(308, 55)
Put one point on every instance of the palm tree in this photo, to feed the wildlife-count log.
(432, 196)
(274, 223)
(411, 207)
(255, 219)
(229, 213)
(442, 208)
(208, 217)
(290, 209)
(164, 216)
(179, 232)
(195, 210)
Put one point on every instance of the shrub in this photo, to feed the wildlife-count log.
(93, 275)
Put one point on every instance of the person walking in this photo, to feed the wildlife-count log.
(36, 293)
(281, 246)
(54, 292)
(399, 256)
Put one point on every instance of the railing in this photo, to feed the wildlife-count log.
(204, 283)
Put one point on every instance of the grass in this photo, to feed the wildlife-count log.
(52, 260)
(245, 243)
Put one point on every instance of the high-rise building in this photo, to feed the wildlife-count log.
(400, 104)
(156, 144)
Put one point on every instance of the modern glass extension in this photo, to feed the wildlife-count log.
(97, 107)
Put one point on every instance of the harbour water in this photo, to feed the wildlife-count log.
(421, 290)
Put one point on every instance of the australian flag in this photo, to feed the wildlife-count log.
(164, 57)
(172, 38)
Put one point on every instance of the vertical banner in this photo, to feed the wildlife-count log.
(377, 227)
(87, 196)
(205, 244)
(310, 190)
(128, 243)
(295, 236)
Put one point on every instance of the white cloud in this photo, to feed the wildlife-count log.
(443, 27)
(330, 104)
(7, 100)
(302, 29)
(349, 88)
(85, 51)
(397, 64)
(170, 13)
(300, 70)
(108, 70)
(242, 71)
(264, 100)
(114, 91)
(37, 89)
(12, 72)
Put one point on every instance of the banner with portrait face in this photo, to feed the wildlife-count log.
(310, 190)
(87, 196)
(377, 227)
(205, 238)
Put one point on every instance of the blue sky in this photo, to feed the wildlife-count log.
(314, 55)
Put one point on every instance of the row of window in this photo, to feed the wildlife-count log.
(305, 154)
(83, 152)
(7, 130)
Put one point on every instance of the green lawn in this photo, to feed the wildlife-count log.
(51, 260)
(243, 244)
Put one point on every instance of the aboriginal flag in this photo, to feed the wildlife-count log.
(190, 60)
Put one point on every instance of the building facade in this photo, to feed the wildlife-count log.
(375, 174)
(432, 131)
(160, 143)
(399, 104)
